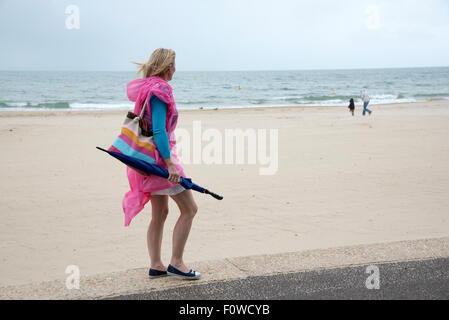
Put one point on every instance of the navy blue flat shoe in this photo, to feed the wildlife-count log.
(191, 275)
(157, 273)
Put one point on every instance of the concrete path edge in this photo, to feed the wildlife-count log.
(136, 281)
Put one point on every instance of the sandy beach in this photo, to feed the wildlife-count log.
(341, 180)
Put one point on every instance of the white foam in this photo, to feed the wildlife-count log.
(101, 106)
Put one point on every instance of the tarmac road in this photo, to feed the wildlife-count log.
(426, 279)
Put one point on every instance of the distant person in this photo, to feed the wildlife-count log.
(365, 99)
(351, 106)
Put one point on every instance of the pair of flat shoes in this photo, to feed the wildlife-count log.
(172, 271)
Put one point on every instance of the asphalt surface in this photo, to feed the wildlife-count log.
(427, 279)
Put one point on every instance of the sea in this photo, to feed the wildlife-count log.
(88, 90)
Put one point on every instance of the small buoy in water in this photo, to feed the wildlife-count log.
(428, 99)
(240, 88)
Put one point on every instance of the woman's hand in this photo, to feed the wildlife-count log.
(173, 174)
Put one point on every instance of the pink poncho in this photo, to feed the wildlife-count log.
(141, 187)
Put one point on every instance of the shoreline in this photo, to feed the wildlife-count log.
(59, 112)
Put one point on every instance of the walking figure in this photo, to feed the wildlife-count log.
(365, 99)
(351, 106)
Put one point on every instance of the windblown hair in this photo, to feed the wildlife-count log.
(160, 60)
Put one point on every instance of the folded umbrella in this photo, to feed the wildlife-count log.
(150, 169)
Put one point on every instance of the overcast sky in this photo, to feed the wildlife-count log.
(224, 34)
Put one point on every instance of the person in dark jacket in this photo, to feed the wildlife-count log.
(351, 106)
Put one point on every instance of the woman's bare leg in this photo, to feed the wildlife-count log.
(188, 209)
(159, 212)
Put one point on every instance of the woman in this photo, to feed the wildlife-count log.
(351, 106)
(161, 115)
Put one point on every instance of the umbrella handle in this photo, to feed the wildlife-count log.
(102, 149)
(216, 196)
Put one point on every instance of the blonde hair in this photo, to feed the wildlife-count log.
(160, 60)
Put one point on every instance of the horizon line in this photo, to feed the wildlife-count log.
(241, 70)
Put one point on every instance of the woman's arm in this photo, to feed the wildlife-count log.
(159, 117)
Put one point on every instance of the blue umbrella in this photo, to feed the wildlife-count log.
(149, 169)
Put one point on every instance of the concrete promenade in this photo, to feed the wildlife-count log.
(414, 269)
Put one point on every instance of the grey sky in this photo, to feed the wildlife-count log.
(225, 34)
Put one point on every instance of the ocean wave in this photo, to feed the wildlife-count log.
(101, 106)
(63, 105)
(193, 102)
(391, 101)
(383, 96)
(27, 105)
(227, 102)
(431, 95)
(328, 98)
(258, 101)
